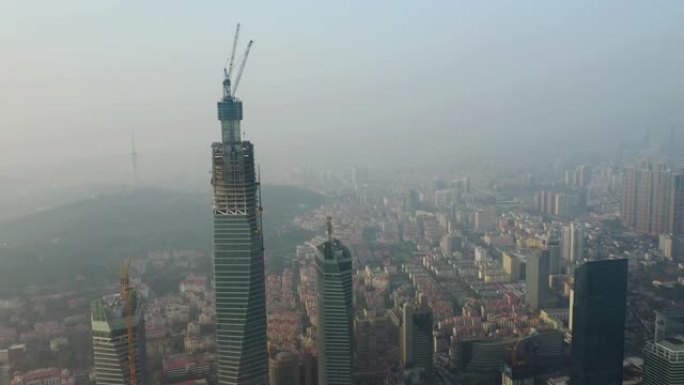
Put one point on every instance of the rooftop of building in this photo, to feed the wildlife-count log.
(674, 344)
(111, 309)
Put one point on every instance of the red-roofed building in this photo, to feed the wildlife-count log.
(46, 376)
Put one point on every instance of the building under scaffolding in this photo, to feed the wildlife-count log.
(238, 249)
(110, 339)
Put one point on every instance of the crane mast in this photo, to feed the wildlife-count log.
(228, 82)
(126, 296)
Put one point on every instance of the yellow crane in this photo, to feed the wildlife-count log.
(128, 303)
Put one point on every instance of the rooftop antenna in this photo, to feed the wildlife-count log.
(134, 159)
(330, 229)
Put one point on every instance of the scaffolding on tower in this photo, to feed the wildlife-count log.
(127, 296)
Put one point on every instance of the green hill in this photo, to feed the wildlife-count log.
(94, 235)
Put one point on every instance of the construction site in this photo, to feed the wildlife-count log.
(118, 329)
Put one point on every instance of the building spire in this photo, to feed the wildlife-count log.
(134, 159)
(330, 228)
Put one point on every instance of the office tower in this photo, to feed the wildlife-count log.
(335, 313)
(308, 373)
(572, 243)
(553, 246)
(283, 369)
(238, 252)
(664, 361)
(598, 322)
(675, 219)
(664, 355)
(537, 279)
(653, 199)
(514, 265)
(371, 340)
(110, 339)
(416, 335)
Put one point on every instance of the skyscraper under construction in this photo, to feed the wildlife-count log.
(335, 313)
(238, 248)
(111, 344)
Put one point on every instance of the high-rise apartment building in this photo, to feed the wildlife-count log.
(653, 199)
(537, 279)
(598, 322)
(335, 313)
(416, 335)
(562, 203)
(110, 340)
(572, 242)
(238, 253)
(578, 177)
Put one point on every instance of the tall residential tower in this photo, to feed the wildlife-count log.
(653, 199)
(238, 250)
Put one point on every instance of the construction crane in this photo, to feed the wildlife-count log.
(128, 303)
(229, 73)
(242, 66)
(229, 93)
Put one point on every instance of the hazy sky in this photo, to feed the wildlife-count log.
(350, 82)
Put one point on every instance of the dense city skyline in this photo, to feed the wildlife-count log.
(454, 194)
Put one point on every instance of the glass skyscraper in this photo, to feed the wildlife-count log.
(238, 253)
(598, 323)
(335, 313)
(537, 279)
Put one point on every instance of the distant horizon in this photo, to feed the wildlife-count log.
(435, 85)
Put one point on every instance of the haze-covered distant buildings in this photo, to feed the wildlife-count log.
(653, 199)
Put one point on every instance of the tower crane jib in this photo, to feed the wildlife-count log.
(238, 76)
